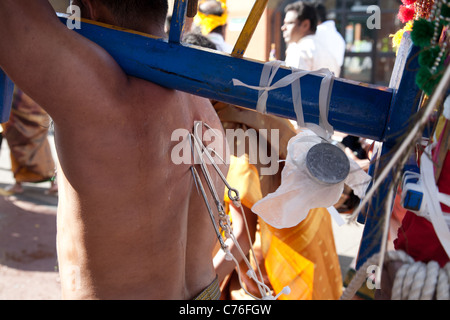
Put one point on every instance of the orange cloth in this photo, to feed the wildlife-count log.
(303, 257)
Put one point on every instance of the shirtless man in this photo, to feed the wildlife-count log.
(131, 224)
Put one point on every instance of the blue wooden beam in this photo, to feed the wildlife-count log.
(355, 108)
(6, 96)
(177, 22)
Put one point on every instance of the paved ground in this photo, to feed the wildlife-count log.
(28, 260)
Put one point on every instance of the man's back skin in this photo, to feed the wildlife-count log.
(131, 224)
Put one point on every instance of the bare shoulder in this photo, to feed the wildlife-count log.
(168, 106)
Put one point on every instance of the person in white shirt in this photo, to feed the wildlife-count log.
(328, 35)
(304, 50)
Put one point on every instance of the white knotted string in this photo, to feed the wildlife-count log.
(265, 85)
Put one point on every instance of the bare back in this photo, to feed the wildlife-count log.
(128, 214)
(131, 224)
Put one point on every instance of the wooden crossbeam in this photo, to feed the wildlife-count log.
(355, 108)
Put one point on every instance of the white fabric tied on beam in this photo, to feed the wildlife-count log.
(299, 192)
(265, 85)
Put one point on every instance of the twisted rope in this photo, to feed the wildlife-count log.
(414, 280)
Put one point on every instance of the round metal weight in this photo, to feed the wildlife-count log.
(327, 163)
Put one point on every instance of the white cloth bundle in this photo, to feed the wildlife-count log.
(299, 191)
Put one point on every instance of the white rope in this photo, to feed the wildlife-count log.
(397, 286)
(429, 287)
(442, 292)
(418, 282)
(408, 280)
(358, 279)
(414, 280)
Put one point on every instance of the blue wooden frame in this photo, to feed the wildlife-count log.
(6, 96)
(209, 73)
(405, 102)
(359, 109)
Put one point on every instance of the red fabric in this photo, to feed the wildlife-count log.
(406, 14)
(417, 237)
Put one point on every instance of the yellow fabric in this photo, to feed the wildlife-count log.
(440, 126)
(286, 267)
(244, 177)
(207, 23)
(212, 292)
(310, 243)
(397, 37)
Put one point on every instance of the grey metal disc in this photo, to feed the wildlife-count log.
(327, 163)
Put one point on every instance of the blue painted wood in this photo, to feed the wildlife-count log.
(6, 96)
(177, 22)
(355, 108)
(405, 104)
(407, 95)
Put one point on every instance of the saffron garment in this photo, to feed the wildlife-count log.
(27, 135)
(303, 257)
